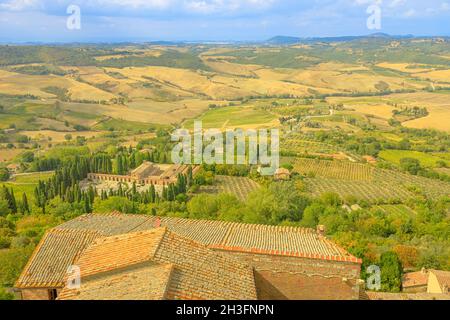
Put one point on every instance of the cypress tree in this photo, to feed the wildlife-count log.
(25, 205)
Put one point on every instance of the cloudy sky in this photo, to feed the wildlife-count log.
(215, 20)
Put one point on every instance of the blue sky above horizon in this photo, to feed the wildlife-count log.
(214, 20)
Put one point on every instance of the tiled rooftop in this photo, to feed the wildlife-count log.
(143, 282)
(54, 254)
(443, 277)
(115, 252)
(62, 245)
(413, 279)
(182, 269)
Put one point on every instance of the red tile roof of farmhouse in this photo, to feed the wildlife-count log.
(443, 277)
(62, 245)
(413, 279)
(171, 267)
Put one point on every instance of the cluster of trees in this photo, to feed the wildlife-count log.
(9, 204)
(414, 167)
(414, 112)
(228, 170)
(44, 164)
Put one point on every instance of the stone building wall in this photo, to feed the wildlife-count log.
(286, 277)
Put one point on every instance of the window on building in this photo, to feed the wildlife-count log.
(52, 294)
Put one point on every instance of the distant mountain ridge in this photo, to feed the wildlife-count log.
(287, 40)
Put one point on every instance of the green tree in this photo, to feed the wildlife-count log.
(4, 174)
(4, 208)
(312, 214)
(410, 165)
(391, 272)
(24, 206)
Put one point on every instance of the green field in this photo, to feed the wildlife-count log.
(234, 117)
(123, 125)
(26, 183)
(240, 187)
(394, 156)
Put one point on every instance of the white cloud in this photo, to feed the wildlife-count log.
(20, 5)
(134, 4)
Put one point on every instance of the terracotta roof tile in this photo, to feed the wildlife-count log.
(143, 282)
(54, 254)
(196, 271)
(119, 251)
(443, 277)
(413, 279)
(63, 244)
(277, 240)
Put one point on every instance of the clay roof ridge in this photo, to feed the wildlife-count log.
(327, 257)
(19, 281)
(84, 232)
(342, 251)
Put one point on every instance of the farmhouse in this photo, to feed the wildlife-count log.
(282, 174)
(414, 282)
(147, 173)
(146, 257)
(13, 168)
(430, 281)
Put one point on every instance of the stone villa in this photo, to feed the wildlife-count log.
(141, 257)
(146, 174)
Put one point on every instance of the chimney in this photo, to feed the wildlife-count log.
(158, 222)
(321, 230)
(424, 271)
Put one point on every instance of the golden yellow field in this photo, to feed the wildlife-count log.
(7, 155)
(348, 81)
(438, 105)
(374, 106)
(20, 84)
(227, 67)
(437, 75)
(403, 67)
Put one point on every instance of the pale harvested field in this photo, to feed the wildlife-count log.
(219, 86)
(132, 88)
(402, 67)
(148, 111)
(170, 112)
(7, 155)
(439, 119)
(181, 79)
(19, 84)
(347, 81)
(438, 106)
(437, 75)
(227, 67)
(45, 123)
(134, 139)
(369, 106)
(83, 91)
